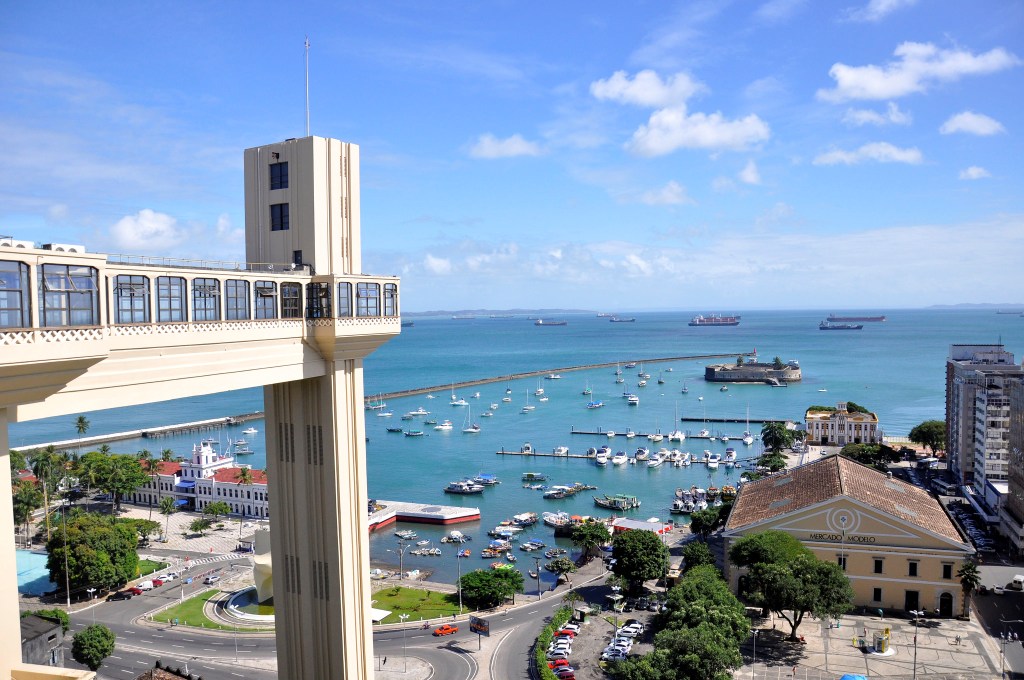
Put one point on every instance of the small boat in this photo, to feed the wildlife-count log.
(414, 433)
(486, 414)
(406, 534)
(463, 553)
(250, 431)
(423, 542)
(552, 376)
(619, 458)
(464, 487)
(396, 430)
(543, 399)
(686, 390)
(534, 477)
(486, 479)
(723, 388)
(420, 412)
(586, 390)
(506, 399)
(610, 433)
(704, 434)
(539, 391)
(532, 574)
(444, 425)
(595, 404)
(631, 364)
(407, 416)
(633, 400)
(620, 380)
(617, 502)
(630, 434)
(560, 451)
(510, 557)
(641, 383)
(494, 406)
(459, 402)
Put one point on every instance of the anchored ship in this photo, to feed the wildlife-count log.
(830, 326)
(714, 320)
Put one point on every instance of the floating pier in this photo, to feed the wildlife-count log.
(389, 512)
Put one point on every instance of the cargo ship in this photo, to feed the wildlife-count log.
(834, 318)
(542, 322)
(832, 326)
(619, 319)
(714, 320)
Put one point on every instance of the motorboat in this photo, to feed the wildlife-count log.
(655, 461)
(414, 433)
(552, 376)
(643, 453)
(601, 459)
(619, 458)
(444, 425)
(486, 479)
(406, 534)
(713, 460)
(419, 412)
(385, 414)
(730, 457)
(464, 487)
(486, 414)
(655, 437)
(506, 399)
(642, 383)
(494, 406)
(704, 434)
(459, 402)
(630, 434)
(560, 451)
(633, 400)
(723, 388)
(595, 404)
(620, 380)
(250, 431)
(610, 433)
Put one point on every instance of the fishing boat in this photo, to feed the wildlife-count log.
(464, 487)
(617, 502)
(396, 430)
(406, 534)
(525, 519)
(414, 433)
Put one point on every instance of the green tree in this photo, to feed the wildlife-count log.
(167, 508)
(216, 509)
(703, 596)
(701, 652)
(122, 476)
(56, 615)
(561, 566)
(91, 468)
(588, 536)
(100, 551)
(766, 547)
(571, 598)
(777, 364)
(244, 478)
(166, 455)
(776, 436)
(930, 433)
(149, 468)
(877, 456)
(81, 426)
(970, 579)
(27, 498)
(703, 522)
(639, 556)
(805, 585)
(696, 554)
(773, 461)
(46, 467)
(18, 462)
(487, 589)
(199, 526)
(92, 645)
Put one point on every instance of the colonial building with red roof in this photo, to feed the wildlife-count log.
(898, 546)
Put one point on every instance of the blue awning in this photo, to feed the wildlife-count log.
(181, 501)
(187, 483)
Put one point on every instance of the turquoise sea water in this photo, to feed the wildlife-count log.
(895, 368)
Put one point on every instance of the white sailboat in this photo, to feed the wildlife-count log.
(676, 435)
(469, 427)
(528, 407)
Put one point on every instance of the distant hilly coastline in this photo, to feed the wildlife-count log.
(1014, 306)
(500, 312)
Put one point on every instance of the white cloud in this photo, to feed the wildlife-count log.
(147, 230)
(972, 123)
(723, 184)
(672, 193)
(750, 174)
(646, 89)
(437, 265)
(778, 10)
(489, 146)
(880, 152)
(974, 172)
(668, 130)
(892, 115)
(916, 68)
(876, 10)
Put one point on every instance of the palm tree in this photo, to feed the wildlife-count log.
(970, 579)
(776, 437)
(244, 478)
(44, 466)
(167, 508)
(82, 426)
(571, 597)
(167, 455)
(104, 449)
(149, 467)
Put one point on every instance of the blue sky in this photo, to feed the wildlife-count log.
(708, 156)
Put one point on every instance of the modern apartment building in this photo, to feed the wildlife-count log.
(297, 317)
(1011, 515)
(978, 378)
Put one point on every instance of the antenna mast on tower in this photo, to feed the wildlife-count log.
(307, 86)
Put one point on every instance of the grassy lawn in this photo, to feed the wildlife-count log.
(418, 604)
(149, 566)
(190, 613)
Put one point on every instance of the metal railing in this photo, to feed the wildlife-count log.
(220, 265)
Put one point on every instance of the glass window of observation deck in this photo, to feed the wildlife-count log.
(368, 299)
(344, 299)
(266, 300)
(291, 301)
(14, 295)
(390, 299)
(318, 300)
(131, 298)
(70, 295)
(206, 299)
(171, 302)
(236, 297)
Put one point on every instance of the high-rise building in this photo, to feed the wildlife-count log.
(978, 380)
(1011, 518)
(297, 318)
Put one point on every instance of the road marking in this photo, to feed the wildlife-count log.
(209, 649)
(179, 646)
(127, 670)
(238, 674)
(155, 635)
(115, 657)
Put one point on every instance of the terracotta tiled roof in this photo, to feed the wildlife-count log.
(230, 476)
(827, 478)
(168, 467)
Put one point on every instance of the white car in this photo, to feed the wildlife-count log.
(613, 656)
(169, 576)
(629, 631)
(574, 627)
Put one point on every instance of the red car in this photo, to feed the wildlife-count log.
(558, 663)
(157, 582)
(446, 629)
(135, 591)
(562, 633)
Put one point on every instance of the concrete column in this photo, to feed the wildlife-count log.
(316, 458)
(10, 641)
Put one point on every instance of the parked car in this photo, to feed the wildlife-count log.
(565, 632)
(134, 590)
(574, 627)
(558, 663)
(157, 582)
(446, 629)
(145, 585)
(121, 595)
(557, 654)
(613, 656)
(168, 577)
(211, 579)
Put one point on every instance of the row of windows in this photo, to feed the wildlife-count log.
(69, 296)
(912, 567)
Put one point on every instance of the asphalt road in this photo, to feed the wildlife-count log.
(992, 610)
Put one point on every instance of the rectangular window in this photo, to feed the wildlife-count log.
(279, 217)
(297, 258)
(171, 299)
(841, 561)
(70, 295)
(206, 300)
(368, 299)
(876, 594)
(291, 300)
(266, 300)
(344, 299)
(390, 299)
(912, 569)
(879, 565)
(318, 300)
(279, 175)
(236, 299)
(947, 571)
(131, 298)
(14, 295)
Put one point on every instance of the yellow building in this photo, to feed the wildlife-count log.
(840, 426)
(900, 549)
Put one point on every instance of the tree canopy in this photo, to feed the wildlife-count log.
(589, 535)
(970, 579)
(92, 645)
(776, 547)
(930, 433)
(696, 554)
(877, 456)
(101, 552)
(776, 436)
(486, 589)
(122, 475)
(639, 556)
(801, 586)
(773, 461)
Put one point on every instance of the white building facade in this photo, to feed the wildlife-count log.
(841, 427)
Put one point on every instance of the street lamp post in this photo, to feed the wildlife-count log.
(754, 662)
(91, 591)
(403, 617)
(1003, 637)
(458, 561)
(536, 561)
(917, 614)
